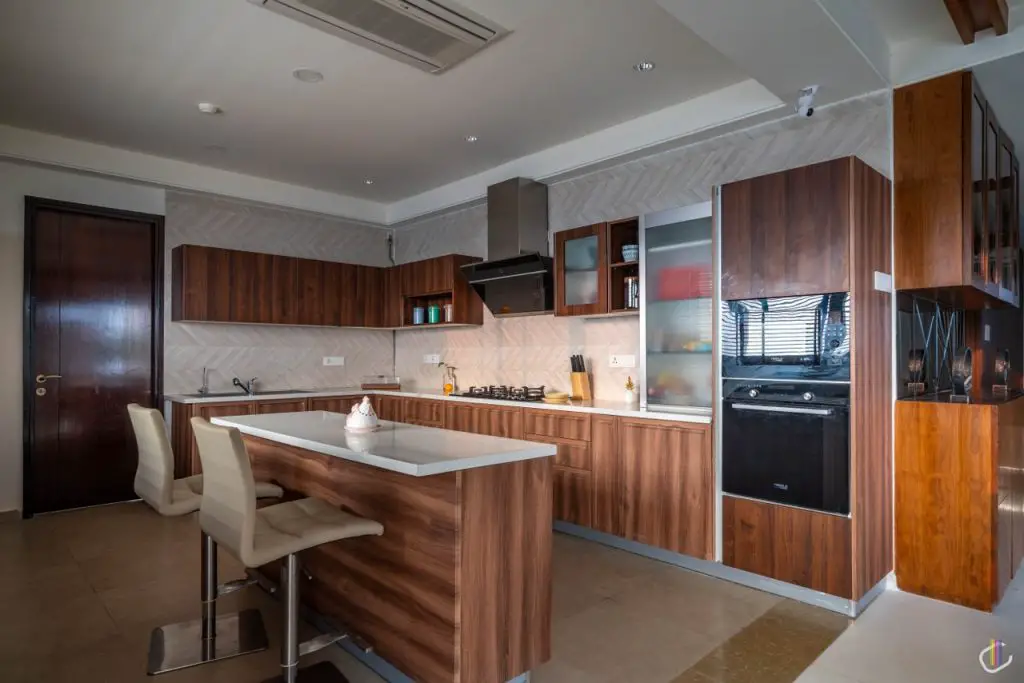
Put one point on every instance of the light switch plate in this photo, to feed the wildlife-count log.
(334, 360)
(883, 282)
(431, 358)
(622, 361)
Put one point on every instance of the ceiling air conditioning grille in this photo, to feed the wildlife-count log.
(423, 33)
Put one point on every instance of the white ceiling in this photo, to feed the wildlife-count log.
(903, 20)
(128, 73)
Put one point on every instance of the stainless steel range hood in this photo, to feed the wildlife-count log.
(516, 278)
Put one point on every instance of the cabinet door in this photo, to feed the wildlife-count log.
(388, 408)
(310, 292)
(371, 289)
(558, 424)
(581, 271)
(573, 501)
(787, 233)
(392, 301)
(285, 406)
(422, 412)
(992, 213)
(212, 410)
(485, 419)
(978, 191)
(332, 404)
(244, 294)
(668, 482)
(284, 295)
(1008, 241)
(607, 468)
(201, 284)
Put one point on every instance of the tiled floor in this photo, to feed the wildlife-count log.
(904, 638)
(80, 592)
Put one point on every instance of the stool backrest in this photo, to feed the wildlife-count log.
(154, 478)
(228, 509)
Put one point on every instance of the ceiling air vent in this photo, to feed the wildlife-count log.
(429, 35)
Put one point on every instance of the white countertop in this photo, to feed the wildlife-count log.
(693, 415)
(408, 449)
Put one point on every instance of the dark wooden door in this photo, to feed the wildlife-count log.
(581, 271)
(788, 233)
(93, 345)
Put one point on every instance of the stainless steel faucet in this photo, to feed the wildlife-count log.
(205, 388)
(248, 387)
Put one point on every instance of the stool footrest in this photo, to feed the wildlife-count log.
(180, 646)
(323, 672)
(229, 587)
(320, 642)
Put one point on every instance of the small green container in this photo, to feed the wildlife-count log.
(433, 314)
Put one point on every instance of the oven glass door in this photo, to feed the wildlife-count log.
(794, 454)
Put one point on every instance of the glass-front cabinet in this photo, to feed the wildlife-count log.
(581, 261)
(676, 314)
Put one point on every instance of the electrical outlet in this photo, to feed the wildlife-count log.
(334, 360)
(431, 358)
(622, 361)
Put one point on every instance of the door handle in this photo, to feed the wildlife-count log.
(41, 379)
(823, 412)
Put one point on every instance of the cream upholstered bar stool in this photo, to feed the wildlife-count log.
(208, 638)
(228, 514)
(154, 478)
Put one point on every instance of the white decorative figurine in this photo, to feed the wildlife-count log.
(362, 417)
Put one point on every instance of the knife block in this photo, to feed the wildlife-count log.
(580, 386)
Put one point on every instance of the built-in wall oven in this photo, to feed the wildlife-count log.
(786, 399)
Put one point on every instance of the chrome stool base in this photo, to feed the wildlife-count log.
(180, 646)
(323, 672)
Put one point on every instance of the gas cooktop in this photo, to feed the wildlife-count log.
(506, 393)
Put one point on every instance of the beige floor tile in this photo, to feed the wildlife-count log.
(68, 628)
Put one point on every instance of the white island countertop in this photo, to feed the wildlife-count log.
(408, 449)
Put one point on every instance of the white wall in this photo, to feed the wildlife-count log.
(16, 182)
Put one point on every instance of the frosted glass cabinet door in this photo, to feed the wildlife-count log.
(581, 264)
(677, 296)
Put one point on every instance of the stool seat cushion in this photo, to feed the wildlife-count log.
(291, 527)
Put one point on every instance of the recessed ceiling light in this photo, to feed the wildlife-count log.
(471, 138)
(368, 181)
(308, 75)
(209, 108)
(643, 67)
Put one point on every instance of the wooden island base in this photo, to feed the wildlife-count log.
(458, 589)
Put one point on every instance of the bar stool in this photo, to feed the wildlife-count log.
(154, 478)
(229, 516)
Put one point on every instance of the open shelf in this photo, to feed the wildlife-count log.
(626, 264)
(426, 301)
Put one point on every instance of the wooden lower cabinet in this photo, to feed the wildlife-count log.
(959, 499)
(607, 475)
(809, 549)
(667, 485)
(557, 424)
(388, 407)
(186, 452)
(573, 496)
(423, 412)
(484, 419)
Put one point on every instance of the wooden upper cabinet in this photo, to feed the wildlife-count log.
(581, 271)
(953, 169)
(667, 472)
(788, 233)
(201, 284)
(226, 285)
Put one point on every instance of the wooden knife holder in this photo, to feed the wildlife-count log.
(580, 386)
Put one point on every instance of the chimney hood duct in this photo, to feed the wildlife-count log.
(516, 278)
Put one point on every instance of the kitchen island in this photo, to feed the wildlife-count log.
(458, 589)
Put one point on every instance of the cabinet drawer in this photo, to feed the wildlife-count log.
(558, 424)
(286, 406)
(572, 496)
(333, 404)
(574, 454)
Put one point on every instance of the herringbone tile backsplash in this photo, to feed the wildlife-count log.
(282, 357)
(535, 350)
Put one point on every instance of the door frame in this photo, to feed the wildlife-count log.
(33, 205)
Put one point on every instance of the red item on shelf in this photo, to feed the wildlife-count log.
(684, 282)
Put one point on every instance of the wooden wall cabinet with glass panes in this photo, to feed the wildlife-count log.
(957, 195)
(597, 269)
